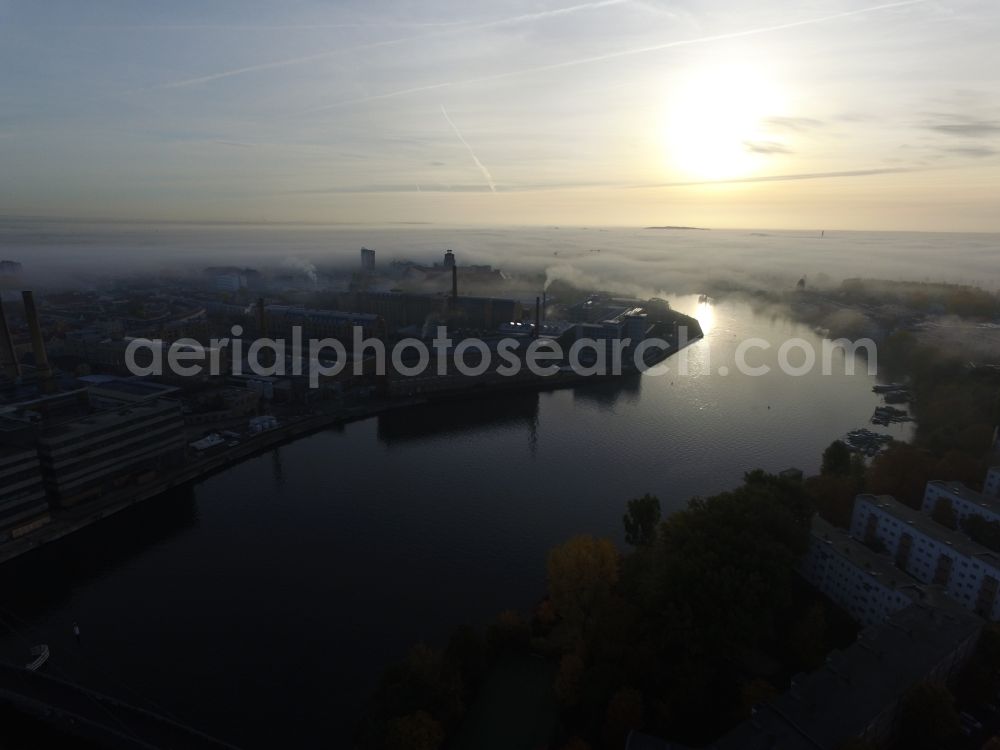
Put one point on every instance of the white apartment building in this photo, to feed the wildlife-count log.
(930, 552)
(991, 487)
(964, 502)
(866, 584)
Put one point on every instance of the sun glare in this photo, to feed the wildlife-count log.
(715, 123)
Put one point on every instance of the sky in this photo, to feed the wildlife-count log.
(814, 114)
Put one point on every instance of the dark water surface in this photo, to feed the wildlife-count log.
(264, 602)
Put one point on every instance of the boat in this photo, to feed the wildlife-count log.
(888, 387)
(41, 654)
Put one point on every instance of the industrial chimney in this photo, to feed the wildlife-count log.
(42, 367)
(261, 319)
(454, 285)
(538, 316)
(8, 358)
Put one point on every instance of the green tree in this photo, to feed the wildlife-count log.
(836, 459)
(944, 513)
(928, 719)
(730, 561)
(641, 520)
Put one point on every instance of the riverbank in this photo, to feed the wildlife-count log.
(71, 520)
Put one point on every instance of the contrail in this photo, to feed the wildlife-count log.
(789, 177)
(482, 167)
(619, 54)
(524, 18)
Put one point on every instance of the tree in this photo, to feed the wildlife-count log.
(755, 693)
(836, 459)
(641, 520)
(944, 513)
(833, 495)
(928, 719)
(625, 712)
(582, 573)
(730, 562)
(808, 638)
(569, 679)
(416, 731)
(902, 471)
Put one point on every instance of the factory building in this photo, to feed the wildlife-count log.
(866, 584)
(403, 309)
(106, 450)
(88, 444)
(930, 552)
(23, 503)
(964, 502)
(322, 324)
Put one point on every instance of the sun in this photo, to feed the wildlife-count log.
(716, 123)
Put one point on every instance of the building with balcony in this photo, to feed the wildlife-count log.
(964, 501)
(865, 583)
(930, 552)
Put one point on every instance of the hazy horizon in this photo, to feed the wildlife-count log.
(835, 115)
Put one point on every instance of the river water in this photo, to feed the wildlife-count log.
(266, 600)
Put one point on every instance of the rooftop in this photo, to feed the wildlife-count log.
(108, 418)
(838, 701)
(958, 489)
(928, 526)
(879, 566)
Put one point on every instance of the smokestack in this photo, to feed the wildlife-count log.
(538, 316)
(545, 296)
(8, 358)
(261, 319)
(37, 342)
(454, 283)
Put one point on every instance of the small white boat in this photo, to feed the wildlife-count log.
(41, 654)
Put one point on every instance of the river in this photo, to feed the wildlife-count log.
(262, 603)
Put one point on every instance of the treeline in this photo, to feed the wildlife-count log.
(704, 617)
(956, 406)
(925, 297)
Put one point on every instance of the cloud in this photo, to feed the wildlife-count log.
(796, 124)
(766, 147)
(552, 186)
(523, 18)
(965, 127)
(792, 177)
(621, 54)
(977, 152)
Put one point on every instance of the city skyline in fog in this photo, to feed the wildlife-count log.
(826, 115)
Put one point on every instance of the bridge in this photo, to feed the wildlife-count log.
(96, 718)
